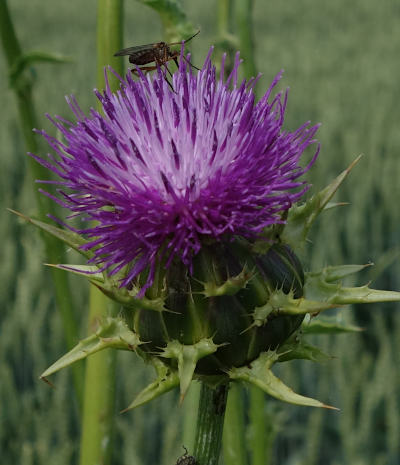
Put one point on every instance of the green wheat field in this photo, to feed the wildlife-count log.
(341, 62)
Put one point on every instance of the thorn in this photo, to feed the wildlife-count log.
(43, 378)
(248, 329)
(167, 310)
(330, 407)
(21, 215)
(354, 163)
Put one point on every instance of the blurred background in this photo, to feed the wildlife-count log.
(341, 63)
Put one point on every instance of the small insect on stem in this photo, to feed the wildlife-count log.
(159, 53)
(186, 459)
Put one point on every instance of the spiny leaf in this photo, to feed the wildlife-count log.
(302, 217)
(187, 357)
(334, 273)
(110, 287)
(128, 298)
(302, 350)
(167, 379)
(230, 287)
(90, 272)
(320, 326)
(113, 333)
(285, 304)
(331, 205)
(260, 374)
(68, 237)
(317, 287)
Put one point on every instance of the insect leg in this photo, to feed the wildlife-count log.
(145, 69)
(190, 64)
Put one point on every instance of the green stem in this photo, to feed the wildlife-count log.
(244, 21)
(223, 17)
(225, 40)
(259, 441)
(99, 410)
(189, 415)
(234, 442)
(109, 40)
(55, 251)
(210, 422)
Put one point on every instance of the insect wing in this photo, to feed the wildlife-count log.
(138, 50)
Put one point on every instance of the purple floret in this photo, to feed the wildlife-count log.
(163, 170)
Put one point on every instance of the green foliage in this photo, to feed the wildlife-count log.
(341, 61)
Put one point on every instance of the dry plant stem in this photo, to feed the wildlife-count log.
(210, 423)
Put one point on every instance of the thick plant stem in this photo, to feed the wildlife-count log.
(260, 439)
(190, 414)
(210, 423)
(234, 438)
(55, 251)
(99, 409)
(109, 40)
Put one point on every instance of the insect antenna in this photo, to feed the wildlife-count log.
(186, 40)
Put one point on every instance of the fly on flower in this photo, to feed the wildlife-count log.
(159, 53)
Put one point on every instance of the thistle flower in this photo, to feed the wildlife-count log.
(192, 198)
(162, 173)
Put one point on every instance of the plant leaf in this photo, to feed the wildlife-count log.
(167, 379)
(113, 333)
(321, 326)
(70, 238)
(302, 350)
(302, 217)
(30, 58)
(187, 357)
(318, 287)
(90, 272)
(260, 374)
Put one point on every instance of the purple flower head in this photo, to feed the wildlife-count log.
(161, 171)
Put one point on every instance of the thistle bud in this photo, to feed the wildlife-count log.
(221, 300)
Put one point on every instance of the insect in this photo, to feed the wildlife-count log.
(159, 53)
(186, 459)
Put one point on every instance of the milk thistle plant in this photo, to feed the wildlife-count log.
(192, 209)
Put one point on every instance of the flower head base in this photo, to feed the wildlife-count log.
(163, 172)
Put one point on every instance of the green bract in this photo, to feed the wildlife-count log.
(233, 316)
